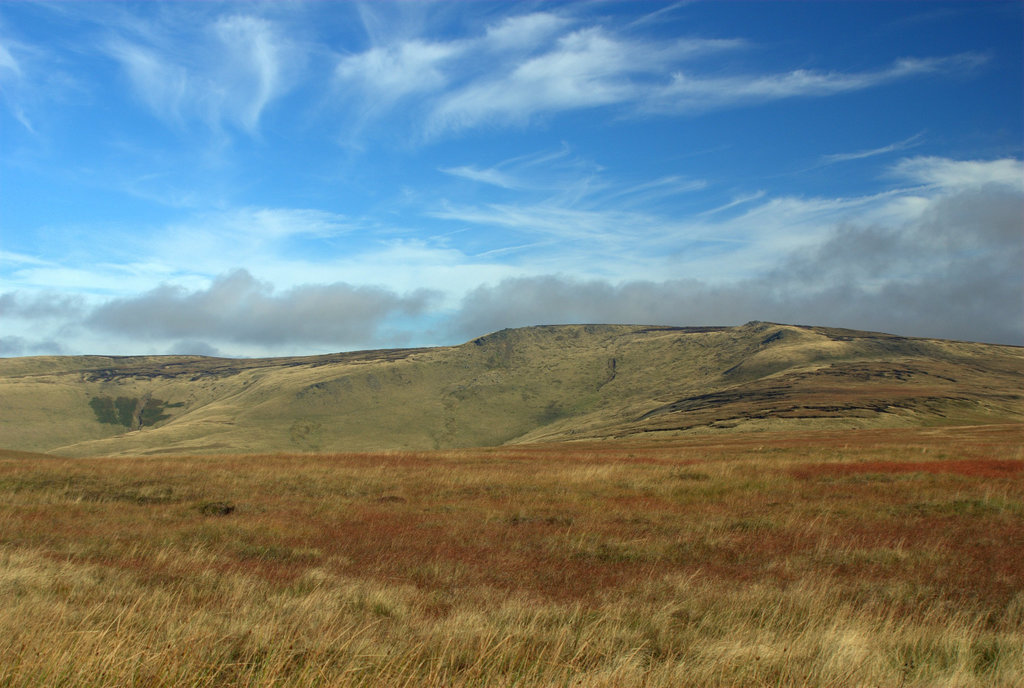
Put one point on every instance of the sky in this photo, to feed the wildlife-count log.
(288, 178)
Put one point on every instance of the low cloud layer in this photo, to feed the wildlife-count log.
(20, 346)
(953, 272)
(238, 308)
(42, 306)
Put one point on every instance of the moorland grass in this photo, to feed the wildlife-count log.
(860, 558)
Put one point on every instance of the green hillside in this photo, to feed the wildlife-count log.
(550, 383)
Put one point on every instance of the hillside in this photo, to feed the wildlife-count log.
(539, 384)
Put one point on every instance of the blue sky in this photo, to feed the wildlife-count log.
(294, 178)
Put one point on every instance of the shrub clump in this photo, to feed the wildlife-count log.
(216, 508)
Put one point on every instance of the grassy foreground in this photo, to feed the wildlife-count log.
(855, 558)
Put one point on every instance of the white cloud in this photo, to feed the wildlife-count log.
(230, 72)
(592, 67)
(280, 223)
(403, 66)
(523, 32)
(490, 176)
(9, 66)
(870, 153)
(548, 171)
(17, 79)
(518, 67)
(648, 192)
(615, 227)
(687, 92)
(162, 85)
(586, 68)
(543, 63)
(549, 219)
(252, 75)
(242, 234)
(742, 199)
(659, 13)
(394, 71)
(12, 257)
(958, 174)
(95, 278)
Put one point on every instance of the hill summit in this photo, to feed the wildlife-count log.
(535, 384)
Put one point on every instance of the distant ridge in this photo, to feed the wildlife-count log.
(549, 383)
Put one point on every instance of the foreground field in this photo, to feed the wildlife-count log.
(854, 558)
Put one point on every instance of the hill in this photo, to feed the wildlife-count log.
(538, 384)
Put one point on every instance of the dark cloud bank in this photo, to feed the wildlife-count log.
(237, 308)
(956, 273)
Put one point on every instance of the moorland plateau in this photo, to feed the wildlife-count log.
(539, 384)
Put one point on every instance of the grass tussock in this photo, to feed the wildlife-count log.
(762, 560)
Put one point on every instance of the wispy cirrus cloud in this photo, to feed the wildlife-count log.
(563, 222)
(688, 92)
(524, 32)
(507, 73)
(585, 68)
(391, 72)
(552, 63)
(398, 67)
(491, 175)
(607, 234)
(568, 180)
(736, 202)
(553, 172)
(233, 70)
(229, 68)
(511, 70)
(543, 63)
(258, 56)
(162, 84)
(22, 78)
(834, 158)
(14, 258)
(9, 66)
(646, 193)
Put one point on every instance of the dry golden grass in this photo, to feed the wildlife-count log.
(856, 558)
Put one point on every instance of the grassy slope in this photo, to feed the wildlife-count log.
(533, 384)
(805, 559)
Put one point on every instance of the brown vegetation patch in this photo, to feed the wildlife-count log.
(977, 468)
